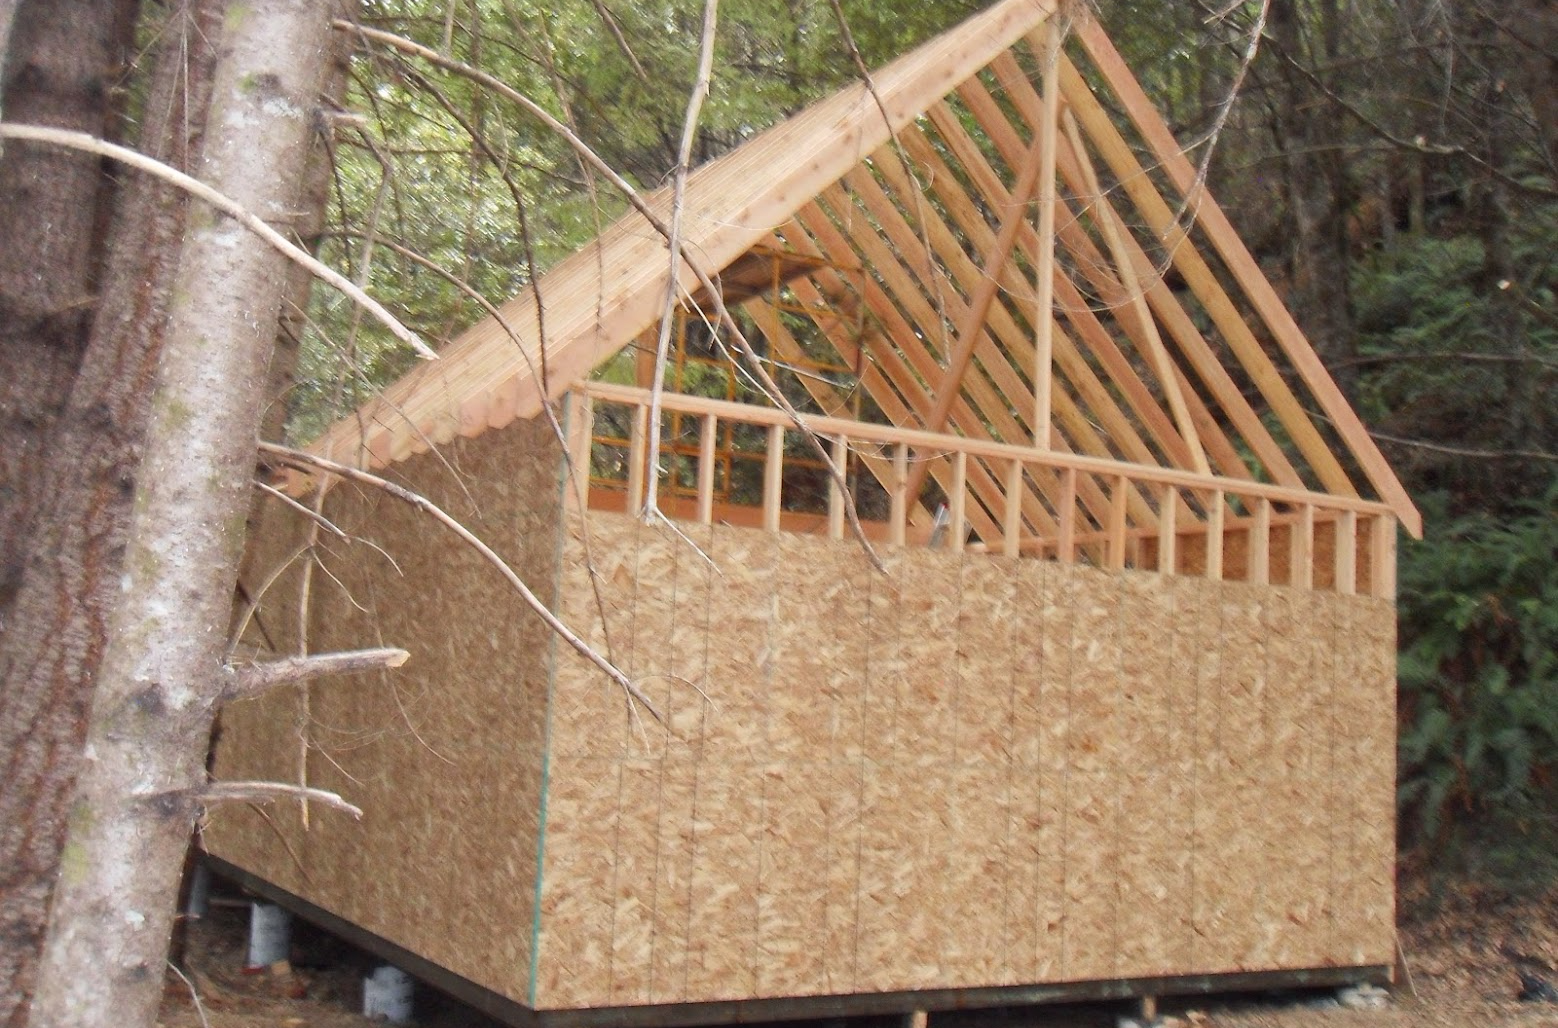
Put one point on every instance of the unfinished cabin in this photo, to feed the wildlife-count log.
(1019, 615)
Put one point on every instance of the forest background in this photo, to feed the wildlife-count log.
(1392, 163)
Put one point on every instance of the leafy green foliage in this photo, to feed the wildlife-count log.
(1479, 665)
(448, 171)
(1458, 365)
(1456, 356)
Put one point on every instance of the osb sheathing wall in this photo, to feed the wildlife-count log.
(445, 755)
(968, 772)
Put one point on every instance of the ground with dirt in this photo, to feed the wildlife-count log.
(1465, 947)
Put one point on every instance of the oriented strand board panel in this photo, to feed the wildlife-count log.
(966, 772)
(443, 755)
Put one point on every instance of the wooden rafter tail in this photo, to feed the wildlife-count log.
(1125, 269)
(1247, 272)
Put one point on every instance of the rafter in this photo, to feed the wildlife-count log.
(975, 320)
(971, 323)
(1099, 273)
(908, 342)
(1137, 301)
(1276, 315)
(1203, 283)
(1165, 305)
(1070, 363)
(1079, 433)
(1044, 270)
(785, 345)
(995, 407)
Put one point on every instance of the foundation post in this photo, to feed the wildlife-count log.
(270, 934)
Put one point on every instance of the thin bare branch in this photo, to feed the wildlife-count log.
(251, 679)
(639, 204)
(700, 90)
(194, 994)
(251, 602)
(266, 792)
(1518, 359)
(610, 21)
(317, 518)
(309, 462)
(91, 144)
(1466, 451)
(1418, 144)
(1209, 139)
(933, 276)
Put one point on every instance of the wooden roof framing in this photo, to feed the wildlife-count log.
(1038, 265)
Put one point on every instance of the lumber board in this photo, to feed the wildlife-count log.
(1210, 215)
(997, 406)
(773, 478)
(971, 320)
(1044, 268)
(890, 349)
(1164, 304)
(1072, 363)
(1084, 465)
(783, 342)
(728, 205)
(1203, 282)
(897, 287)
(1107, 219)
(1001, 363)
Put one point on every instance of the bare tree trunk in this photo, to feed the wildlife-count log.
(58, 72)
(51, 213)
(1316, 183)
(308, 224)
(140, 785)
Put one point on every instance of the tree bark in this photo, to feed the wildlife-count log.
(1315, 184)
(56, 73)
(161, 675)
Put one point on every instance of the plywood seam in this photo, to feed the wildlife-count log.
(670, 680)
(559, 547)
